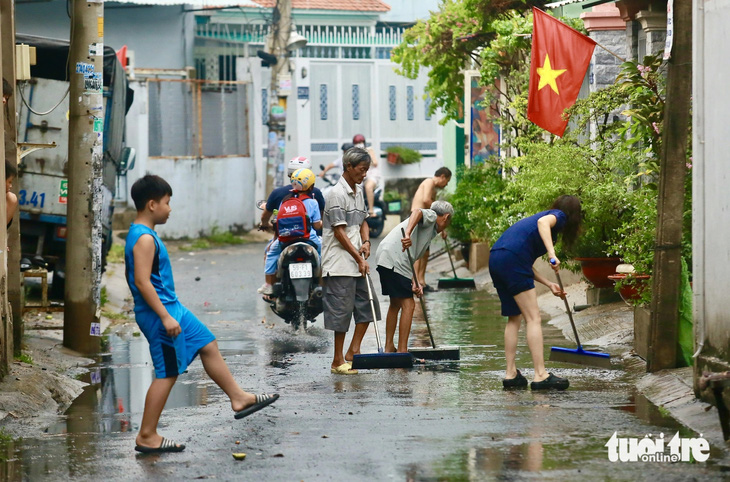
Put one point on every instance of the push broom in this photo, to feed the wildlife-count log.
(434, 352)
(578, 356)
(455, 282)
(380, 359)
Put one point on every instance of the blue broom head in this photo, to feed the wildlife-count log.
(382, 360)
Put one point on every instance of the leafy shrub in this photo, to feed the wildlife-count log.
(480, 203)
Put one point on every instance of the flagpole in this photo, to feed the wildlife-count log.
(610, 52)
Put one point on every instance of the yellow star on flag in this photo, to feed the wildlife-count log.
(548, 75)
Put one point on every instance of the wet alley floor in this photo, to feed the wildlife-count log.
(448, 421)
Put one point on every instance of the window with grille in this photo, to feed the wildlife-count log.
(391, 101)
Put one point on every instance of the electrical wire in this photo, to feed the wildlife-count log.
(22, 96)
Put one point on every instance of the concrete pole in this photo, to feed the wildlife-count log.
(6, 334)
(281, 28)
(83, 242)
(664, 325)
(15, 280)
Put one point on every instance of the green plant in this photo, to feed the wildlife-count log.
(480, 202)
(116, 254)
(114, 316)
(216, 238)
(25, 358)
(103, 298)
(406, 155)
(392, 196)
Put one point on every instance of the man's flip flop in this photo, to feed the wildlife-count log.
(344, 369)
(167, 445)
(261, 401)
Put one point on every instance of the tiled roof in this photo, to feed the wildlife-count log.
(352, 5)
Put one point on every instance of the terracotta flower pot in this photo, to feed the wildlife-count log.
(393, 158)
(631, 292)
(597, 270)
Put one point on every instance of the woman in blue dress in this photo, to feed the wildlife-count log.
(510, 265)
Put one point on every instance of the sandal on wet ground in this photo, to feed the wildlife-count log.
(344, 369)
(551, 382)
(517, 382)
(261, 401)
(167, 445)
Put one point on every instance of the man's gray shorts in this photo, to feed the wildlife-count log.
(345, 296)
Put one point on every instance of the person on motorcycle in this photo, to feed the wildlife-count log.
(396, 276)
(302, 186)
(373, 178)
(276, 196)
(337, 163)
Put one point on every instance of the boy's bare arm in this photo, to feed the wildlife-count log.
(144, 255)
(317, 224)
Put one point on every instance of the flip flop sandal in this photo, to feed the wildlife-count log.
(167, 445)
(517, 382)
(261, 401)
(344, 369)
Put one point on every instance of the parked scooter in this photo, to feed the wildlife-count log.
(375, 223)
(297, 297)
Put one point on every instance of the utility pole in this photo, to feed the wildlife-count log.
(668, 252)
(280, 30)
(81, 330)
(6, 337)
(14, 279)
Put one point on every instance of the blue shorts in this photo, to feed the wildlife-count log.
(171, 356)
(511, 276)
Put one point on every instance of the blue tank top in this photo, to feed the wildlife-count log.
(161, 276)
(523, 237)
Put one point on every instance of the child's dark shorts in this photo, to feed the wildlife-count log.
(171, 356)
(511, 276)
(393, 284)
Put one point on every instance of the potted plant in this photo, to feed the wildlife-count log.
(394, 201)
(403, 155)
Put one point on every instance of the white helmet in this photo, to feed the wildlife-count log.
(299, 162)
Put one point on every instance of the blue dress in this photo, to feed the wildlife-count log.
(170, 356)
(512, 256)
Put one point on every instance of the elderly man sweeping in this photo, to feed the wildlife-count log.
(396, 273)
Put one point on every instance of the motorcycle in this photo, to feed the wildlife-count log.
(375, 223)
(297, 296)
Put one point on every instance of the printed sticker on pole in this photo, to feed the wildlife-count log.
(95, 329)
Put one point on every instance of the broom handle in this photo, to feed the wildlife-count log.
(375, 318)
(423, 302)
(448, 250)
(567, 307)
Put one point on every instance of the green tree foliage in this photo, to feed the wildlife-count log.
(448, 42)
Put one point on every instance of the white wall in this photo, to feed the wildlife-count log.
(711, 177)
(207, 193)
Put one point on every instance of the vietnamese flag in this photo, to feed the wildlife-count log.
(560, 58)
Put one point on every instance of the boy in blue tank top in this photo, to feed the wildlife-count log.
(175, 335)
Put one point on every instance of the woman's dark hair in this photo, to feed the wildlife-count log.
(10, 170)
(570, 205)
(353, 157)
(149, 188)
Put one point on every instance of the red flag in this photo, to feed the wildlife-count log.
(560, 58)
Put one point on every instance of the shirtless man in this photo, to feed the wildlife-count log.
(424, 197)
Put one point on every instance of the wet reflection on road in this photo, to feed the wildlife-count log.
(444, 420)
